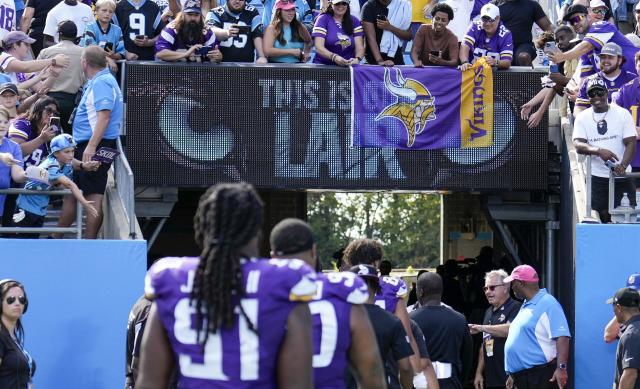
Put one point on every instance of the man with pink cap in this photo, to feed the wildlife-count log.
(537, 347)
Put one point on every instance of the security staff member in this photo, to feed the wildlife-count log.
(448, 338)
(626, 307)
(495, 327)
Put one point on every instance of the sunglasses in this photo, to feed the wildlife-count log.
(491, 287)
(599, 11)
(486, 19)
(596, 93)
(576, 19)
(11, 299)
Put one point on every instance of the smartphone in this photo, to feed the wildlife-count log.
(243, 29)
(203, 50)
(108, 46)
(54, 121)
(435, 53)
(381, 17)
(140, 36)
(550, 47)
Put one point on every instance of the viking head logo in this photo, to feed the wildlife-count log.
(414, 106)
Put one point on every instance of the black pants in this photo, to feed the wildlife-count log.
(536, 377)
(22, 218)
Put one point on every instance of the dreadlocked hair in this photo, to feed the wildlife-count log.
(228, 217)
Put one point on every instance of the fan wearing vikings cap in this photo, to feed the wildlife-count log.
(628, 97)
(597, 34)
(487, 38)
(188, 39)
(230, 319)
(341, 330)
(392, 291)
(611, 61)
(613, 330)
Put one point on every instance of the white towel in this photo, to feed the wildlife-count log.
(400, 17)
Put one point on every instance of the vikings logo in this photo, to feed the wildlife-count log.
(414, 106)
(344, 41)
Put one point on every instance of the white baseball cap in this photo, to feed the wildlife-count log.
(490, 10)
(637, 7)
(597, 4)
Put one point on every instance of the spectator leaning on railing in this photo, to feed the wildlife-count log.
(105, 34)
(628, 97)
(96, 124)
(607, 132)
(188, 39)
(141, 24)
(303, 12)
(286, 40)
(10, 161)
(487, 38)
(387, 26)
(338, 36)
(246, 45)
(434, 43)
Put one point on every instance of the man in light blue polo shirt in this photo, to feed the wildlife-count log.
(96, 125)
(537, 347)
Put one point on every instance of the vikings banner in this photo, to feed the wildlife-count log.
(422, 108)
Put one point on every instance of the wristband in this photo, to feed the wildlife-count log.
(333, 57)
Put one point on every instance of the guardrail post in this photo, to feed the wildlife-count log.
(79, 220)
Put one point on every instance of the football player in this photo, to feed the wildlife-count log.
(244, 46)
(341, 330)
(230, 319)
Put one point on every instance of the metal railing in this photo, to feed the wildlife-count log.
(30, 230)
(627, 212)
(125, 187)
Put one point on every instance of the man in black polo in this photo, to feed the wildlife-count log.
(448, 339)
(626, 307)
(494, 328)
(390, 334)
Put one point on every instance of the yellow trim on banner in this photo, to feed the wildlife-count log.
(476, 106)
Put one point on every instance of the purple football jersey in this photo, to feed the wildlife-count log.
(498, 47)
(603, 32)
(21, 129)
(331, 314)
(168, 39)
(236, 357)
(392, 289)
(335, 39)
(629, 97)
(612, 85)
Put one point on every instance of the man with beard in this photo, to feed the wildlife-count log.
(494, 328)
(537, 347)
(596, 36)
(611, 61)
(188, 39)
(247, 45)
(608, 132)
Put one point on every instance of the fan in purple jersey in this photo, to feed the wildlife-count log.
(341, 331)
(487, 38)
(338, 36)
(188, 39)
(229, 320)
(596, 35)
(611, 61)
(33, 132)
(629, 97)
(392, 291)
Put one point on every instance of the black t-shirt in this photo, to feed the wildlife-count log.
(135, 328)
(14, 368)
(628, 351)
(493, 347)
(519, 16)
(40, 10)
(448, 339)
(144, 20)
(393, 342)
(239, 48)
(370, 11)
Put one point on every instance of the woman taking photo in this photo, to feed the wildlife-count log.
(338, 36)
(286, 40)
(16, 365)
(32, 131)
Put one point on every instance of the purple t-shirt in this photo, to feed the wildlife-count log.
(335, 39)
(599, 34)
(612, 85)
(629, 97)
(392, 289)
(498, 47)
(168, 39)
(21, 129)
(331, 315)
(236, 357)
